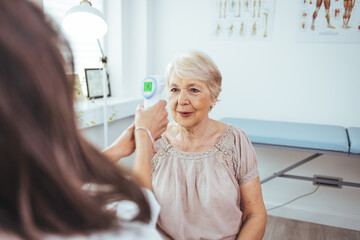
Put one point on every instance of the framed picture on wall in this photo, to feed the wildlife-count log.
(94, 82)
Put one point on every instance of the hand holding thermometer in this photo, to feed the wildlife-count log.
(151, 89)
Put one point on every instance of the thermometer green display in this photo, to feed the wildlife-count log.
(147, 86)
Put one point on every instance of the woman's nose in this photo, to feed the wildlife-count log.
(183, 98)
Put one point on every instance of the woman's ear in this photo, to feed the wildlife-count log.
(213, 103)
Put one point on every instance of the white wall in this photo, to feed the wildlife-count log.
(282, 79)
(113, 46)
(128, 44)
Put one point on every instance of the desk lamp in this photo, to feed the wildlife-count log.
(86, 21)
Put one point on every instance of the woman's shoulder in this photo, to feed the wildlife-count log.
(236, 131)
(234, 135)
(220, 126)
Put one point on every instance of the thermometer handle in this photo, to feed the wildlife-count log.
(150, 102)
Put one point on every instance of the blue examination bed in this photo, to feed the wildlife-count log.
(316, 138)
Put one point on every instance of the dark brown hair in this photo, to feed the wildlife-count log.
(44, 160)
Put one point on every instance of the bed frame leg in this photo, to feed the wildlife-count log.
(277, 174)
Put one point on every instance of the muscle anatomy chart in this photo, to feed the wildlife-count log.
(329, 20)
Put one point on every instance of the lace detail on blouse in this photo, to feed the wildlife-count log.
(222, 152)
(166, 149)
(198, 155)
(247, 178)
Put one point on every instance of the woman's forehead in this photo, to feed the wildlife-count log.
(186, 82)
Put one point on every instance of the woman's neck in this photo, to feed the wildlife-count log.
(195, 132)
(197, 138)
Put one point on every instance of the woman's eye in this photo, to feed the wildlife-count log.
(173, 90)
(194, 90)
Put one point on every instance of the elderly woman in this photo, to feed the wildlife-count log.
(204, 173)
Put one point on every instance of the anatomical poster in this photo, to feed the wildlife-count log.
(329, 20)
(244, 19)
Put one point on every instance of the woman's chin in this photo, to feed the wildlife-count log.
(185, 123)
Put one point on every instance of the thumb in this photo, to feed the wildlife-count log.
(162, 102)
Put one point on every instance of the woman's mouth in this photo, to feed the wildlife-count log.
(185, 114)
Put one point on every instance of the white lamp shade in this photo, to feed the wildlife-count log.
(84, 21)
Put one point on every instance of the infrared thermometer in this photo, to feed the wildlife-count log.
(151, 89)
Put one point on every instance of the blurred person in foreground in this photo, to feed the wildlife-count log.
(53, 183)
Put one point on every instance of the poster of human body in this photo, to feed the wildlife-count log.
(244, 19)
(329, 21)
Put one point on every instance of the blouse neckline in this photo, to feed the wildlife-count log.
(195, 155)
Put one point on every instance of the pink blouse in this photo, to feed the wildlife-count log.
(199, 192)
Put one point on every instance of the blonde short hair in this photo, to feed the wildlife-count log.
(195, 65)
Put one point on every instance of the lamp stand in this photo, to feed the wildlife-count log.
(103, 59)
